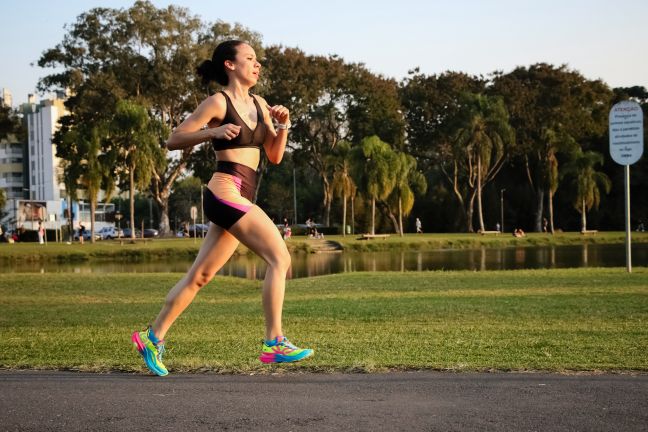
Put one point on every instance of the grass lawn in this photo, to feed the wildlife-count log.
(554, 320)
(175, 248)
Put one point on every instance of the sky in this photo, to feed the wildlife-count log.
(601, 39)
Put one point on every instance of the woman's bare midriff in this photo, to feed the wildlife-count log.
(247, 156)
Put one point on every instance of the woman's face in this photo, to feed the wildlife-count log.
(246, 67)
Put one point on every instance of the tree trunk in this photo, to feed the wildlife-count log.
(479, 196)
(164, 216)
(551, 221)
(400, 216)
(344, 215)
(352, 215)
(537, 222)
(71, 216)
(161, 191)
(328, 198)
(583, 218)
(131, 199)
(93, 207)
(386, 209)
(373, 215)
(469, 210)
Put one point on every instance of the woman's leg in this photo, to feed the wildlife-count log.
(256, 231)
(217, 247)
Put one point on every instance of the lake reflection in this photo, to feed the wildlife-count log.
(306, 265)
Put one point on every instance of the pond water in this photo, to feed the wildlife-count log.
(306, 265)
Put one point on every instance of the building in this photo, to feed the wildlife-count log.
(29, 170)
(7, 99)
(43, 165)
(11, 168)
(30, 173)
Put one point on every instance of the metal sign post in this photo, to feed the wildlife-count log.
(626, 148)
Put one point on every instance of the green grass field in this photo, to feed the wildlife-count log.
(175, 248)
(553, 320)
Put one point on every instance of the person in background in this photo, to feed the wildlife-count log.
(41, 232)
(81, 233)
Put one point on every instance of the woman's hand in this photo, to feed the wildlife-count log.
(227, 131)
(279, 113)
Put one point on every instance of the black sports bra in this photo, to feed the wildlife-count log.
(247, 137)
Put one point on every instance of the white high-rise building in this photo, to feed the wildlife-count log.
(44, 166)
(7, 99)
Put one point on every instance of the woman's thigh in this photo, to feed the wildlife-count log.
(256, 231)
(217, 247)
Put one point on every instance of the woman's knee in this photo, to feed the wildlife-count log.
(199, 278)
(280, 259)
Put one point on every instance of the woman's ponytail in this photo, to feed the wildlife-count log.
(214, 69)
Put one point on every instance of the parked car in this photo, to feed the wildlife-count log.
(127, 233)
(110, 232)
(198, 230)
(150, 233)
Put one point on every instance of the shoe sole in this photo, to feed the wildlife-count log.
(149, 362)
(268, 358)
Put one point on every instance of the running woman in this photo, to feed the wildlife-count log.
(239, 125)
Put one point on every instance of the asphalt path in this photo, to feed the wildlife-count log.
(404, 401)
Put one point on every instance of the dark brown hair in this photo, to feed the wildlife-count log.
(214, 69)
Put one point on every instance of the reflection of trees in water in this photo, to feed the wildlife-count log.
(520, 256)
(305, 265)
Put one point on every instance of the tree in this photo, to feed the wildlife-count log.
(557, 142)
(408, 182)
(186, 193)
(482, 138)
(312, 87)
(431, 106)
(544, 98)
(7, 123)
(342, 181)
(85, 165)
(373, 106)
(373, 161)
(587, 182)
(144, 53)
(430, 103)
(136, 148)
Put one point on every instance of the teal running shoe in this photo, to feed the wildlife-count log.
(151, 352)
(280, 350)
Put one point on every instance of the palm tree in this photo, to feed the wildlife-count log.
(373, 171)
(582, 169)
(483, 133)
(408, 180)
(342, 182)
(555, 142)
(137, 148)
(85, 167)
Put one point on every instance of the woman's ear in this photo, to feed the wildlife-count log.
(229, 65)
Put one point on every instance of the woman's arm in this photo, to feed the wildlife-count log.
(275, 142)
(192, 131)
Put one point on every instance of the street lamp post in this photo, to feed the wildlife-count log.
(502, 208)
(118, 217)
